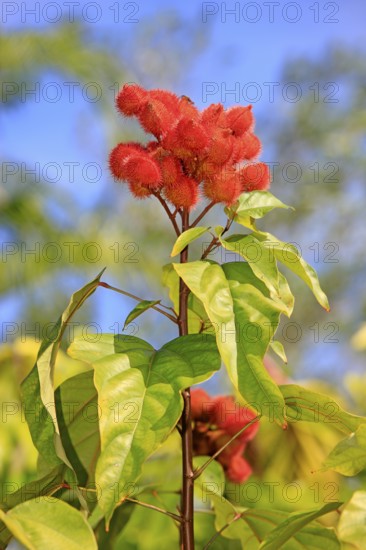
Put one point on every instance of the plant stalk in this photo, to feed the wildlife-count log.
(187, 510)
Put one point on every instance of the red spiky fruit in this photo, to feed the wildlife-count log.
(221, 146)
(255, 177)
(132, 163)
(131, 99)
(224, 186)
(155, 118)
(183, 193)
(239, 119)
(246, 147)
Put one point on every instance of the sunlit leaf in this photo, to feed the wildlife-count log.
(279, 350)
(255, 526)
(49, 522)
(294, 524)
(309, 406)
(198, 320)
(78, 417)
(38, 391)
(351, 526)
(139, 309)
(244, 318)
(257, 256)
(349, 456)
(288, 254)
(253, 205)
(186, 238)
(140, 401)
(47, 485)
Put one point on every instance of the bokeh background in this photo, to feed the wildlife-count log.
(63, 217)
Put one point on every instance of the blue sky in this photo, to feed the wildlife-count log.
(246, 51)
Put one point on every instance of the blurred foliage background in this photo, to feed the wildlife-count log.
(323, 133)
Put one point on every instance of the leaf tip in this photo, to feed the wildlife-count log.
(101, 273)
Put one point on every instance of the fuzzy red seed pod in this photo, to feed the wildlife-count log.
(155, 118)
(206, 170)
(133, 163)
(168, 99)
(171, 170)
(223, 187)
(183, 194)
(201, 405)
(138, 190)
(211, 115)
(246, 147)
(190, 164)
(187, 109)
(191, 135)
(231, 418)
(155, 149)
(238, 470)
(255, 177)
(144, 170)
(119, 155)
(186, 140)
(239, 119)
(221, 146)
(131, 99)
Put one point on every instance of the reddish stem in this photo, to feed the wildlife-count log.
(203, 213)
(171, 215)
(187, 509)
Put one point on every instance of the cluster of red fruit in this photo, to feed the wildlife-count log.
(215, 148)
(216, 420)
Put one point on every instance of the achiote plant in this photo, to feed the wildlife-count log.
(93, 474)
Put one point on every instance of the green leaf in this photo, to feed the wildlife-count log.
(37, 389)
(310, 406)
(252, 526)
(148, 529)
(197, 316)
(351, 526)
(253, 205)
(293, 524)
(139, 309)
(108, 540)
(187, 237)
(140, 401)
(46, 485)
(244, 317)
(78, 417)
(49, 522)
(285, 296)
(257, 256)
(349, 456)
(288, 254)
(210, 481)
(279, 350)
(43, 486)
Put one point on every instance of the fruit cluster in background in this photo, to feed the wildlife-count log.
(216, 421)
